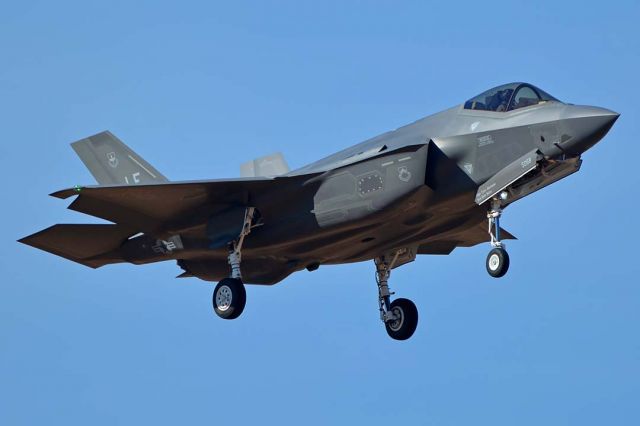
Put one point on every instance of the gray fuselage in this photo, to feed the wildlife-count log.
(411, 187)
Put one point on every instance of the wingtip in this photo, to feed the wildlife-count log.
(66, 193)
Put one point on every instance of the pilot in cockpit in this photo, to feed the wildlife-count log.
(500, 101)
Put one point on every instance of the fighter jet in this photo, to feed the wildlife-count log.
(423, 189)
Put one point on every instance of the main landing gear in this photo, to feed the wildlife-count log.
(400, 317)
(498, 259)
(230, 296)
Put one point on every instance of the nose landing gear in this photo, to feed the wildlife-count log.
(498, 259)
(400, 317)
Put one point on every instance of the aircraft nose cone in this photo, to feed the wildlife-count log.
(588, 125)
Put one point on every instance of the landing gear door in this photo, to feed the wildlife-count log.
(507, 176)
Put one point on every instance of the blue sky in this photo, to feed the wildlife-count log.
(198, 88)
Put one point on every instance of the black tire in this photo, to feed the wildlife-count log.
(229, 298)
(405, 325)
(497, 262)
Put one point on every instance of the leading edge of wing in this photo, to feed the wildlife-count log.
(76, 190)
(165, 207)
(295, 175)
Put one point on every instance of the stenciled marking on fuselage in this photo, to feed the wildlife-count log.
(168, 246)
(404, 159)
(388, 163)
(485, 140)
(485, 191)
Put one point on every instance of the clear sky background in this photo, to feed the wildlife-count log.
(197, 88)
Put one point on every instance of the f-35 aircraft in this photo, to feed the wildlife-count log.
(426, 188)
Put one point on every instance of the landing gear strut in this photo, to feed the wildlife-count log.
(498, 259)
(400, 317)
(230, 296)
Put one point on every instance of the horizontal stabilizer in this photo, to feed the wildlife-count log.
(111, 162)
(89, 245)
(269, 165)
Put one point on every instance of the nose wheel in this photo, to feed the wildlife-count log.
(498, 259)
(497, 262)
(400, 317)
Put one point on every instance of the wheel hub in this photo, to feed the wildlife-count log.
(494, 262)
(224, 296)
(396, 324)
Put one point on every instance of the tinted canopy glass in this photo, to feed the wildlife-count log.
(508, 97)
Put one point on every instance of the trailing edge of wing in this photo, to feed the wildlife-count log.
(183, 185)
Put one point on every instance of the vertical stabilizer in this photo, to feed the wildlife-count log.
(111, 162)
(269, 165)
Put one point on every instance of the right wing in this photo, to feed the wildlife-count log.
(171, 207)
(163, 210)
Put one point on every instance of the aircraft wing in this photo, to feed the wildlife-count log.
(171, 206)
(159, 210)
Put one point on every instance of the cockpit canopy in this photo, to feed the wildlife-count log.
(508, 97)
